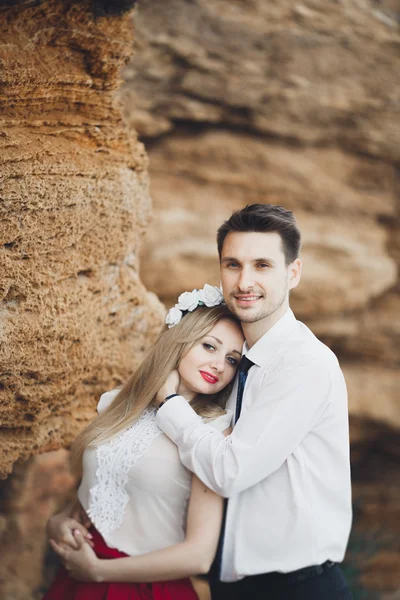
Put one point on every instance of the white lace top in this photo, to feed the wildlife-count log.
(134, 487)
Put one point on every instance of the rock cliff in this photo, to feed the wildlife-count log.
(289, 103)
(237, 102)
(75, 317)
(294, 104)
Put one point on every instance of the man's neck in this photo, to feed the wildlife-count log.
(254, 331)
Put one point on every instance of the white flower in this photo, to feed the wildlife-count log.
(210, 295)
(174, 315)
(188, 300)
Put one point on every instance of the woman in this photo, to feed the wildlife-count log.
(148, 512)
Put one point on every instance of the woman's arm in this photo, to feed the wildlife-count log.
(193, 556)
(61, 526)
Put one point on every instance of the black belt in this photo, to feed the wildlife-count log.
(293, 576)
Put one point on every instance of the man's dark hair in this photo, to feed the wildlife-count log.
(264, 218)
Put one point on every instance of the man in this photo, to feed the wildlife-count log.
(285, 468)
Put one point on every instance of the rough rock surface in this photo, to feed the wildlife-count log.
(32, 494)
(74, 316)
(287, 103)
(295, 104)
(372, 562)
(248, 101)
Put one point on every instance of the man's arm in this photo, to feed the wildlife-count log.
(285, 410)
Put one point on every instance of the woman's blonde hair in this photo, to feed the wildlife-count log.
(141, 388)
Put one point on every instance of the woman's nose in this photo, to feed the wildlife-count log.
(218, 364)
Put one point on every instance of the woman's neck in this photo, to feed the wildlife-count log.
(189, 395)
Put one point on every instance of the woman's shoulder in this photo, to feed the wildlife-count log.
(220, 421)
(106, 399)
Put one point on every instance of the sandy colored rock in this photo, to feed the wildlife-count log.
(373, 392)
(373, 557)
(292, 71)
(270, 103)
(285, 111)
(346, 266)
(29, 497)
(207, 176)
(371, 336)
(294, 104)
(75, 317)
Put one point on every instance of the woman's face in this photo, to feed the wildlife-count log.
(212, 363)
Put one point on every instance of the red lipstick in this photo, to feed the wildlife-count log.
(208, 377)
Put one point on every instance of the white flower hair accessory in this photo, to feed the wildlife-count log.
(209, 296)
(188, 301)
(174, 315)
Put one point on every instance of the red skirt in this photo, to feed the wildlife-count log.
(66, 588)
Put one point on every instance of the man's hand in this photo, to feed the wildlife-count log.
(61, 529)
(82, 564)
(169, 387)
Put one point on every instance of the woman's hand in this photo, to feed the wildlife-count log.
(82, 564)
(169, 387)
(60, 529)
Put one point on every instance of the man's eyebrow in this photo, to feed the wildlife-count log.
(219, 341)
(256, 260)
(229, 258)
(268, 260)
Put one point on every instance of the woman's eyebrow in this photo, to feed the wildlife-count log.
(216, 339)
(219, 342)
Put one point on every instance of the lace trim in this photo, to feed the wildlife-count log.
(115, 458)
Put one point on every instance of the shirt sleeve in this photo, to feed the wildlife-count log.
(222, 422)
(284, 410)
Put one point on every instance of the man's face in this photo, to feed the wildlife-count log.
(255, 278)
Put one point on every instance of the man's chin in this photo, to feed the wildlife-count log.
(247, 318)
(246, 314)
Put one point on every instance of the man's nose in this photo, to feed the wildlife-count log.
(246, 280)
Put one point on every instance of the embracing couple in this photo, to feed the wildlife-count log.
(237, 400)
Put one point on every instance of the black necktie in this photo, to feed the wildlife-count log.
(244, 366)
(243, 370)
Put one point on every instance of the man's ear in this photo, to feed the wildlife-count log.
(294, 273)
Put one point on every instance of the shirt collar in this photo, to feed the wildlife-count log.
(268, 344)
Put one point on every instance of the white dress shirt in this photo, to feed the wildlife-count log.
(135, 489)
(285, 468)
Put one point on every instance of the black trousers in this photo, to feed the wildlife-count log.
(329, 584)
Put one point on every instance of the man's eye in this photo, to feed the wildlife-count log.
(263, 265)
(232, 361)
(208, 346)
(232, 264)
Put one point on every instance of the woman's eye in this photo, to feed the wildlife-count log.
(232, 361)
(208, 346)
